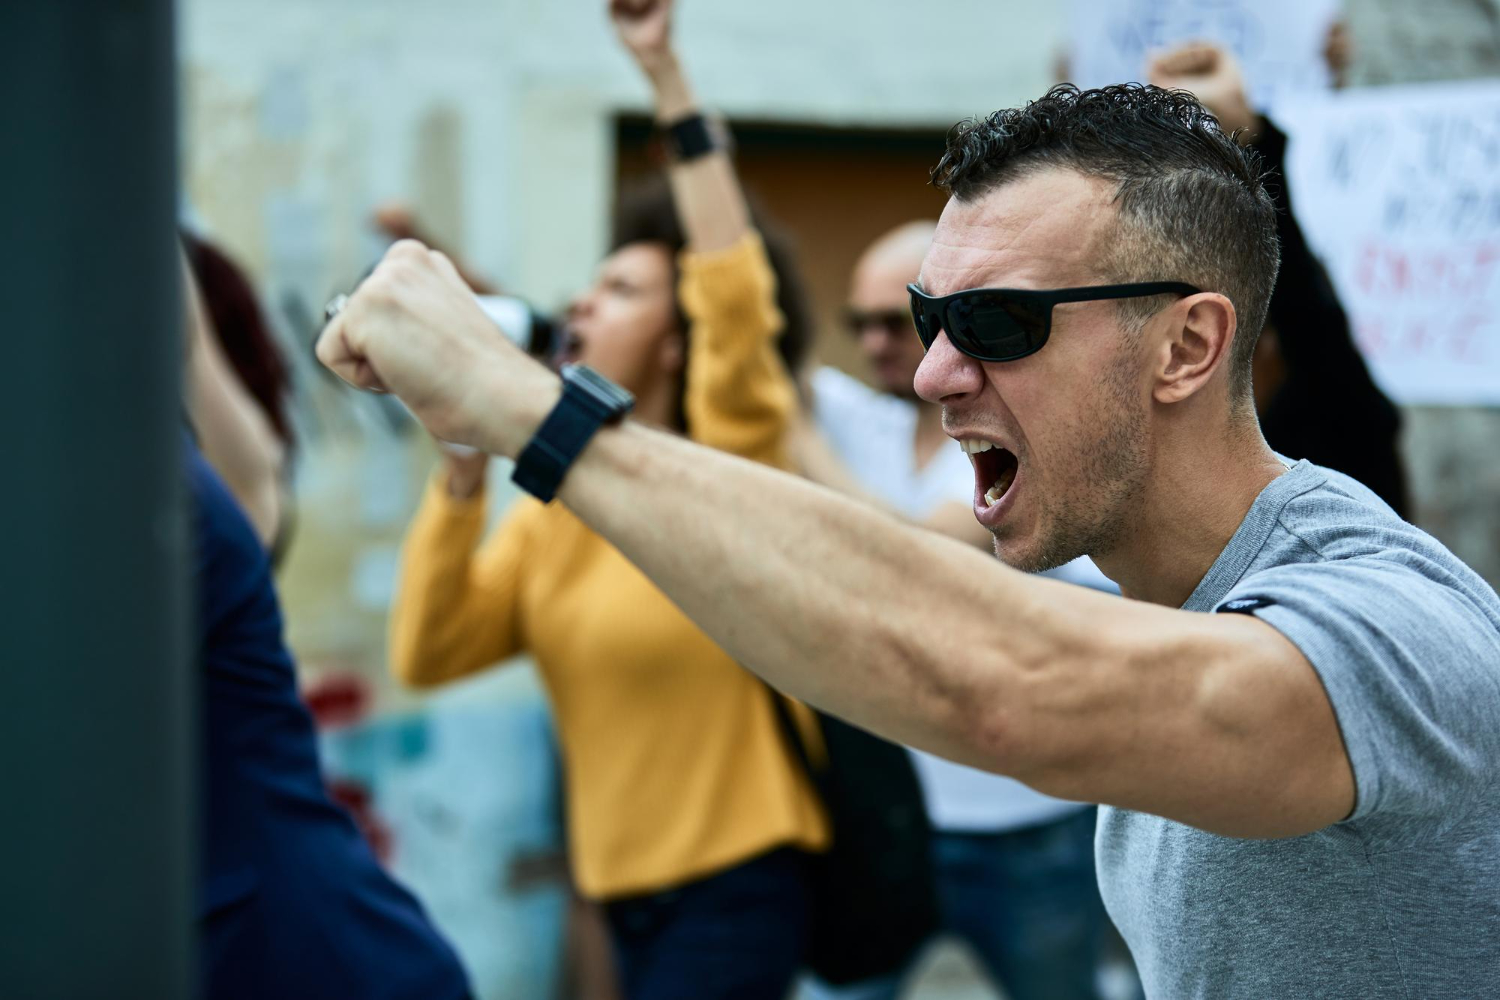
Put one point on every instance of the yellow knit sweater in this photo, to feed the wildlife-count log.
(675, 764)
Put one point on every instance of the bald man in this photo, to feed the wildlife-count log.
(1015, 868)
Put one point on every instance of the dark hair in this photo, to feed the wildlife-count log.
(241, 329)
(646, 213)
(1192, 204)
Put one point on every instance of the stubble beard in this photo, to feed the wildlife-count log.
(1092, 517)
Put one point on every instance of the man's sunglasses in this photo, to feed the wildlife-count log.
(1006, 324)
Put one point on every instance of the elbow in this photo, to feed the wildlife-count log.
(413, 657)
(427, 650)
(980, 722)
(993, 736)
(1031, 721)
(1054, 762)
(405, 667)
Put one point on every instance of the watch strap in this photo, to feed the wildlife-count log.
(578, 415)
(691, 137)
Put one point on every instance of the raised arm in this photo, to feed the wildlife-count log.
(709, 199)
(738, 395)
(1213, 720)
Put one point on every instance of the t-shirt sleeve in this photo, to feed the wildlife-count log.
(1412, 669)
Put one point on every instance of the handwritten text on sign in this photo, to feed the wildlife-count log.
(1399, 192)
(1279, 43)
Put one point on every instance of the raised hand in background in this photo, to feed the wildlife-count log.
(645, 29)
(1212, 75)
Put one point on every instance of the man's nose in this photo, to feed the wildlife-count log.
(946, 374)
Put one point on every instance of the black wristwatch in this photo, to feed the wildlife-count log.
(589, 401)
(693, 136)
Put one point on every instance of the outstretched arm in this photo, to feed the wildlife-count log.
(1213, 720)
(1216, 721)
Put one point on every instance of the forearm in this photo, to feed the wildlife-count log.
(710, 201)
(887, 625)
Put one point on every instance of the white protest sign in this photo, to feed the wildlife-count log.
(1279, 43)
(1398, 191)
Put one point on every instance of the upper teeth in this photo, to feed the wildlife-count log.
(974, 446)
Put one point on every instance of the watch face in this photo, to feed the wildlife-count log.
(614, 399)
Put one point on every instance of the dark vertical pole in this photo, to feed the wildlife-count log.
(95, 826)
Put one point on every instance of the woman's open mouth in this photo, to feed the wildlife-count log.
(570, 346)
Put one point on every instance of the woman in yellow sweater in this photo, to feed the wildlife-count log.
(689, 815)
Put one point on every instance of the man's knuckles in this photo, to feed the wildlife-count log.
(379, 293)
(406, 251)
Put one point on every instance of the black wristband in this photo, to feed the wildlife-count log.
(589, 400)
(691, 137)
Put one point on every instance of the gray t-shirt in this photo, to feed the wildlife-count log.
(1402, 899)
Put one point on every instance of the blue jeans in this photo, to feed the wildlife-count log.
(736, 935)
(1026, 902)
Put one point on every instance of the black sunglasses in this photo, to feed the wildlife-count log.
(1006, 324)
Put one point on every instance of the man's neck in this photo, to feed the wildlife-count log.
(1195, 501)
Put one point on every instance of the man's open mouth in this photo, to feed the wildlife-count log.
(994, 469)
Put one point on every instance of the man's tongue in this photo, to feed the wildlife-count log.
(998, 467)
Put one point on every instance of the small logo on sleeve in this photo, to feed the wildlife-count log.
(1245, 605)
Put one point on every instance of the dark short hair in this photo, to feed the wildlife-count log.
(646, 213)
(1192, 203)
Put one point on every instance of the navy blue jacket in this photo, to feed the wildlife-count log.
(292, 901)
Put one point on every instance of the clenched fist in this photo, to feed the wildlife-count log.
(1213, 75)
(645, 26)
(414, 329)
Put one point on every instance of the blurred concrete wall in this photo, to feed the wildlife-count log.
(1450, 451)
(496, 117)
(1406, 41)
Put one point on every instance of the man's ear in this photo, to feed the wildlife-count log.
(1195, 347)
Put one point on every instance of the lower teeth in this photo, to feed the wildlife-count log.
(994, 493)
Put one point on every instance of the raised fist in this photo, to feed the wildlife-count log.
(413, 328)
(645, 26)
(1212, 75)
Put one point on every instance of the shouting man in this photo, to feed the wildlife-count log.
(1294, 726)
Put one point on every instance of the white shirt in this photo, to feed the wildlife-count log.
(873, 433)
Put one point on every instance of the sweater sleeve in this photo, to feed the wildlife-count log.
(455, 610)
(739, 396)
